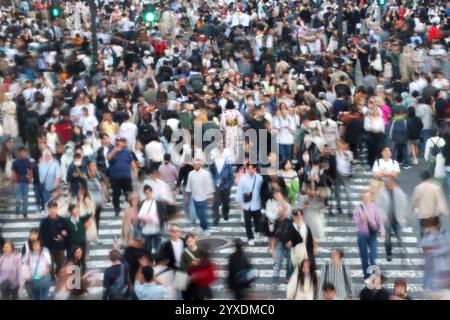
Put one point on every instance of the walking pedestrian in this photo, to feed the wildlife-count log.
(200, 187)
(121, 164)
(368, 222)
(248, 197)
(22, 175)
(428, 202)
(394, 209)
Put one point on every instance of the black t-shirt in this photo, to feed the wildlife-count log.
(440, 105)
(370, 294)
(364, 57)
(343, 88)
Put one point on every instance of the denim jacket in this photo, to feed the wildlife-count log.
(223, 179)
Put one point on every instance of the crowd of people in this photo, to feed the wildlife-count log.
(284, 110)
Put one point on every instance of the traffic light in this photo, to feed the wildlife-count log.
(149, 15)
(55, 11)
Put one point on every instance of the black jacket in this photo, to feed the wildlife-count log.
(166, 251)
(296, 238)
(49, 229)
(237, 263)
(101, 160)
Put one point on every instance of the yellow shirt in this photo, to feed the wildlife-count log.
(110, 129)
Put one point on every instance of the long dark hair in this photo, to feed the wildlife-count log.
(312, 273)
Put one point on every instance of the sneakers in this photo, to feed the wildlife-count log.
(251, 242)
(415, 162)
(109, 204)
(406, 167)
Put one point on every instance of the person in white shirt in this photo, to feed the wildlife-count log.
(440, 82)
(88, 122)
(200, 187)
(154, 151)
(344, 158)
(285, 128)
(151, 221)
(385, 166)
(129, 131)
(418, 84)
(161, 190)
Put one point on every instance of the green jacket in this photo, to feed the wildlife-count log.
(77, 232)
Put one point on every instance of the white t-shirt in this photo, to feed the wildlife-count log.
(381, 165)
(177, 250)
(148, 211)
(285, 128)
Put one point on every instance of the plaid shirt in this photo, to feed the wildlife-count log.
(339, 277)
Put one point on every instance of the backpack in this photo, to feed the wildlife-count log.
(400, 132)
(196, 83)
(119, 289)
(32, 125)
(435, 149)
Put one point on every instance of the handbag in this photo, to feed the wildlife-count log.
(182, 279)
(249, 195)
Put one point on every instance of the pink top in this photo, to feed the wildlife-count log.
(386, 113)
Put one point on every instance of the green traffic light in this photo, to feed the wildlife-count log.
(55, 12)
(149, 16)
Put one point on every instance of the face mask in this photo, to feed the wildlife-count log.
(306, 158)
(77, 163)
(217, 85)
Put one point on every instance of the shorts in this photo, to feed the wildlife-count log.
(415, 141)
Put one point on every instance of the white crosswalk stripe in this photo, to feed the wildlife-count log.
(339, 232)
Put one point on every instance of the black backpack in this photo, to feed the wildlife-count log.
(32, 125)
(119, 289)
(435, 149)
(400, 132)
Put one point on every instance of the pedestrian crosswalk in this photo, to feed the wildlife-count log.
(339, 232)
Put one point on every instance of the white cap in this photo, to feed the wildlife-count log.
(300, 87)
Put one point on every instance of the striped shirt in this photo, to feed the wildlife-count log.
(340, 277)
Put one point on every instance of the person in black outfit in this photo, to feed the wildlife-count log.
(376, 293)
(238, 264)
(116, 279)
(132, 254)
(53, 230)
(440, 105)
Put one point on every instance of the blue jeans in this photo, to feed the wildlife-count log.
(448, 181)
(21, 196)
(403, 150)
(46, 195)
(40, 288)
(281, 252)
(200, 209)
(152, 242)
(365, 242)
(40, 203)
(398, 233)
(285, 151)
(424, 136)
(190, 208)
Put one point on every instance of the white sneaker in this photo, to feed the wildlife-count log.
(206, 233)
(256, 236)
(109, 204)
(251, 242)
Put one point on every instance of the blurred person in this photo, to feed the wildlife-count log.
(22, 175)
(368, 222)
(328, 291)
(303, 283)
(39, 263)
(146, 286)
(400, 290)
(394, 209)
(116, 282)
(428, 201)
(10, 271)
(240, 271)
(249, 200)
(338, 275)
